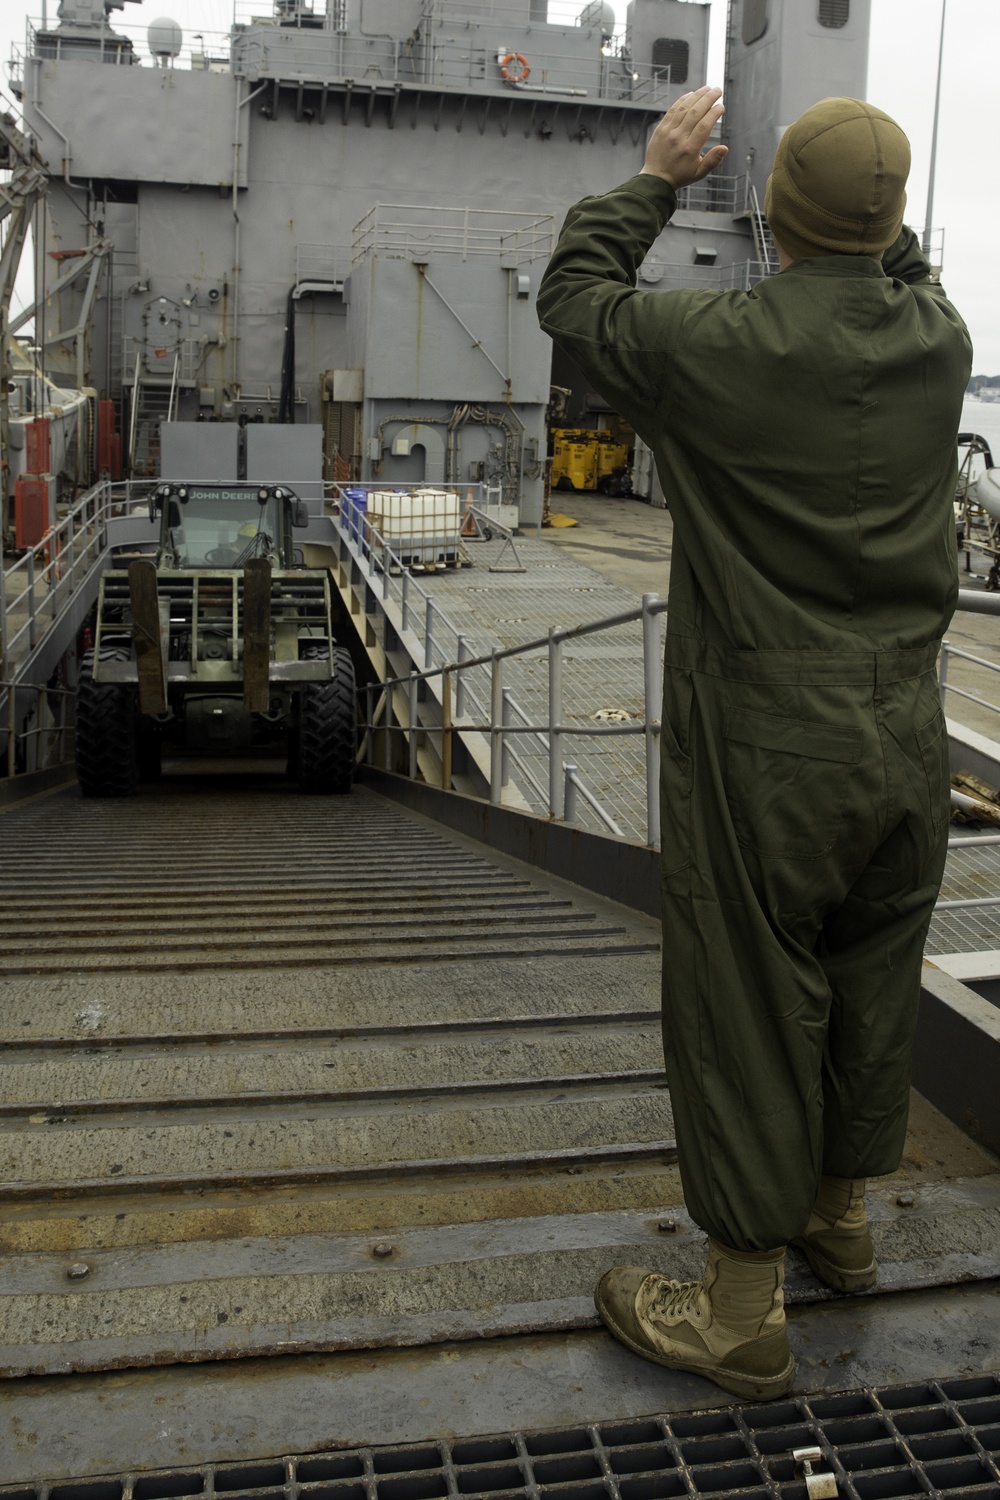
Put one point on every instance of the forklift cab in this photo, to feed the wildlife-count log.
(225, 526)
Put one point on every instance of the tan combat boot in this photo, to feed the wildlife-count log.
(729, 1327)
(837, 1242)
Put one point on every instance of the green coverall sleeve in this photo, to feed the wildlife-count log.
(905, 261)
(621, 339)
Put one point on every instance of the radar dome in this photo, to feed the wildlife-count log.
(598, 15)
(165, 37)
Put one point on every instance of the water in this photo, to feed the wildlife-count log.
(983, 417)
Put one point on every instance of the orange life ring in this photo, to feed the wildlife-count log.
(515, 77)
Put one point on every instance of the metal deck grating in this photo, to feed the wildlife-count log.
(969, 873)
(939, 1438)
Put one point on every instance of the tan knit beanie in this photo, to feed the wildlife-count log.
(838, 182)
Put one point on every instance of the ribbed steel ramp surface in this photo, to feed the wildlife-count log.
(281, 1073)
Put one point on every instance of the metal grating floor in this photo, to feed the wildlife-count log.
(939, 1438)
(970, 873)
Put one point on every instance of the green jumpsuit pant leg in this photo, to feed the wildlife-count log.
(872, 947)
(791, 945)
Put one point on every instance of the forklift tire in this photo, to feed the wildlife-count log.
(327, 739)
(106, 753)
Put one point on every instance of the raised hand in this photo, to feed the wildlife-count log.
(675, 147)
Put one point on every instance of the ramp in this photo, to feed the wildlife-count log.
(250, 1038)
(286, 1074)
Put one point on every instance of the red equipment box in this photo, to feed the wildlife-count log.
(38, 448)
(34, 508)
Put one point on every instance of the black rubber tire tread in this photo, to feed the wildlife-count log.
(106, 758)
(328, 731)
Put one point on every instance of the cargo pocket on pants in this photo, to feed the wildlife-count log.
(787, 781)
(932, 742)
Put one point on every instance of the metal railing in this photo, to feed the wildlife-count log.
(330, 15)
(198, 49)
(310, 45)
(476, 701)
(41, 745)
(558, 13)
(719, 193)
(38, 585)
(935, 252)
(327, 264)
(302, 15)
(37, 591)
(403, 229)
(560, 66)
(189, 356)
(34, 589)
(767, 250)
(980, 604)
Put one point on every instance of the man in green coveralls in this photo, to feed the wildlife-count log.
(805, 437)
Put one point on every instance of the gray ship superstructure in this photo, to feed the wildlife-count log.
(342, 214)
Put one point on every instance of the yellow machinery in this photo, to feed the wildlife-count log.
(610, 456)
(574, 458)
(582, 457)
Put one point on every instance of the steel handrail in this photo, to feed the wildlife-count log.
(977, 603)
(566, 633)
(52, 566)
(360, 524)
(551, 733)
(555, 728)
(14, 736)
(611, 622)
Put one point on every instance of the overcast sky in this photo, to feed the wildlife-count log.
(901, 77)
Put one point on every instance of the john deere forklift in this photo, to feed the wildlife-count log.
(220, 645)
